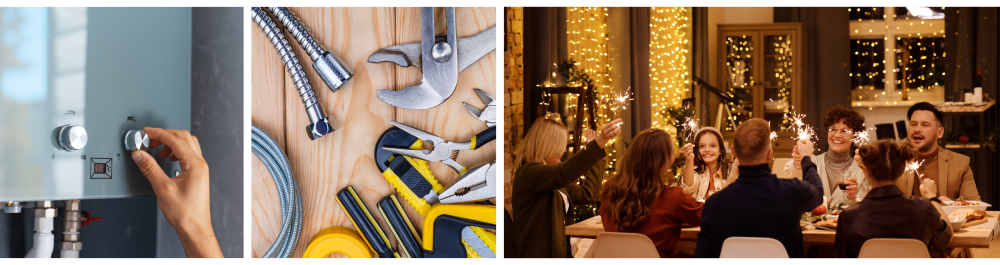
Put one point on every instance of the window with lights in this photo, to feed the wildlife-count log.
(897, 54)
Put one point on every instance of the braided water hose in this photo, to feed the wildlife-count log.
(274, 159)
(320, 124)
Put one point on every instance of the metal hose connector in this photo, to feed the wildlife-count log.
(330, 68)
(290, 199)
(320, 124)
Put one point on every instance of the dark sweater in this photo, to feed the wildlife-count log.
(758, 204)
(887, 213)
(539, 211)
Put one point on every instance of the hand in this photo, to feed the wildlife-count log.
(688, 151)
(928, 189)
(945, 199)
(852, 187)
(183, 199)
(591, 134)
(857, 158)
(608, 132)
(797, 157)
(805, 147)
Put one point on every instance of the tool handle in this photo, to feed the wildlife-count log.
(483, 137)
(365, 222)
(448, 236)
(400, 225)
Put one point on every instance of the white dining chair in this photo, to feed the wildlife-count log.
(753, 247)
(894, 248)
(778, 168)
(622, 245)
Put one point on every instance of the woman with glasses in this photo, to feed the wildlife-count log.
(843, 180)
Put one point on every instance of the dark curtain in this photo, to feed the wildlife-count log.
(540, 42)
(639, 34)
(706, 103)
(827, 43)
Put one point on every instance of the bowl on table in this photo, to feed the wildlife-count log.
(950, 209)
(956, 223)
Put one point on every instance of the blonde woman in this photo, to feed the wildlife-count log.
(543, 186)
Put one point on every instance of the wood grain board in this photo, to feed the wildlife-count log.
(345, 157)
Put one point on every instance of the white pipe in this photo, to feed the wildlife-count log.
(69, 254)
(44, 239)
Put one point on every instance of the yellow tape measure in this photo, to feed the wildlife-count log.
(337, 239)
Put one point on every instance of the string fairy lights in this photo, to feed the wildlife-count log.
(669, 53)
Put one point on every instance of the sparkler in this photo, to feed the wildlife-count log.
(690, 127)
(802, 130)
(620, 101)
(861, 138)
(913, 166)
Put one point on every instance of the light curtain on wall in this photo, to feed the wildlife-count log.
(669, 53)
(587, 44)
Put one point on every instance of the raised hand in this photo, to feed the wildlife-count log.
(608, 132)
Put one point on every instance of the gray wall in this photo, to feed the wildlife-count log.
(217, 121)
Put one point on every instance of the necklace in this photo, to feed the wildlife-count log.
(837, 166)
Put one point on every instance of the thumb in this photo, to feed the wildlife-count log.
(150, 169)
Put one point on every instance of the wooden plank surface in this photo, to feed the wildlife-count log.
(964, 238)
(345, 157)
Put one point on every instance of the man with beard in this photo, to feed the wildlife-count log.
(948, 169)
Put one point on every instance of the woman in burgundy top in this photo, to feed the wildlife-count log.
(638, 200)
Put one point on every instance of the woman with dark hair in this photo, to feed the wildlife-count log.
(836, 166)
(706, 169)
(886, 212)
(638, 199)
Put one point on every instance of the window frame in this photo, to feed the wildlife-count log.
(889, 29)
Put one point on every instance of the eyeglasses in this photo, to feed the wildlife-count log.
(845, 131)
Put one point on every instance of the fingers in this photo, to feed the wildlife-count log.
(179, 142)
(151, 170)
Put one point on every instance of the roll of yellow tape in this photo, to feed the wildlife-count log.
(337, 239)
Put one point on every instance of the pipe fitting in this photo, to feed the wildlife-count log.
(71, 246)
(12, 207)
(44, 212)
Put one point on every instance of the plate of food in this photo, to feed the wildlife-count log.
(951, 206)
(972, 217)
(827, 225)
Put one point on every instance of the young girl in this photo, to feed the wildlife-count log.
(638, 200)
(543, 187)
(706, 169)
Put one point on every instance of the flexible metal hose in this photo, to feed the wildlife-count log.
(298, 32)
(274, 159)
(320, 124)
(330, 68)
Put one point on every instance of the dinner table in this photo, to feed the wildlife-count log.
(978, 236)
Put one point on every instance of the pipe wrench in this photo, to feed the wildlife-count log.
(439, 58)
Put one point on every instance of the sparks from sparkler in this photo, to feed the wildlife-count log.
(913, 166)
(774, 136)
(802, 130)
(861, 138)
(690, 127)
(620, 101)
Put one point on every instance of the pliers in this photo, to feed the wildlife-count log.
(487, 114)
(439, 58)
(443, 151)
